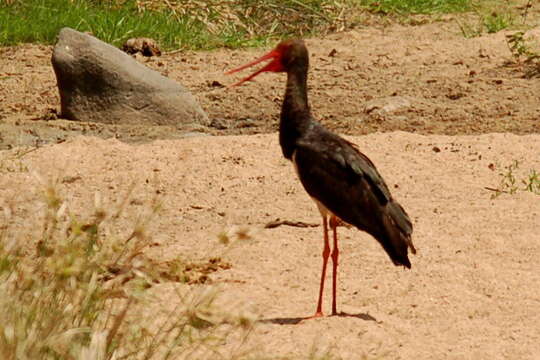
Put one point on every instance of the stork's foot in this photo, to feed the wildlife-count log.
(318, 314)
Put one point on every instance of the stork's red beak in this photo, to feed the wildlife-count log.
(275, 66)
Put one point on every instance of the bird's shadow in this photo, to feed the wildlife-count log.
(297, 320)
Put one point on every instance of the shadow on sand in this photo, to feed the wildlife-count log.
(297, 320)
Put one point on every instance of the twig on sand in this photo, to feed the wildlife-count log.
(278, 222)
(496, 190)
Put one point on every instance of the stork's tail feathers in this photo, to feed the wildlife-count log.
(398, 230)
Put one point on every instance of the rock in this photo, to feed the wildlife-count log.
(145, 46)
(99, 83)
(387, 105)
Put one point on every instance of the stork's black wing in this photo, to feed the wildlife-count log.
(344, 180)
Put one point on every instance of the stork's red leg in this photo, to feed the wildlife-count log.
(325, 256)
(335, 254)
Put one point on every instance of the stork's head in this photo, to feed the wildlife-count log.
(289, 55)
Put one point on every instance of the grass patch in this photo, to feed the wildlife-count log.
(195, 24)
(408, 7)
(491, 16)
(183, 24)
(485, 23)
(39, 21)
(495, 22)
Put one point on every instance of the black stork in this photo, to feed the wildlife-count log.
(341, 180)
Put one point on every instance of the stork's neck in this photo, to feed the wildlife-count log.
(295, 114)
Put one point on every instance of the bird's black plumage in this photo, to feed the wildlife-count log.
(334, 172)
(347, 183)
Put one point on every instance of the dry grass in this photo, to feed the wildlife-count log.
(261, 18)
(79, 290)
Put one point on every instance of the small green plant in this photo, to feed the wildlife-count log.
(495, 22)
(508, 181)
(519, 47)
(510, 184)
(532, 182)
(491, 22)
(524, 53)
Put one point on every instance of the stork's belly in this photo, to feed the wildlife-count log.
(325, 212)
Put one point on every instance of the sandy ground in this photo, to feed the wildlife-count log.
(473, 289)
(452, 85)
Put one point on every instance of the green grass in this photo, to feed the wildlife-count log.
(38, 21)
(495, 22)
(491, 17)
(184, 25)
(408, 7)
(187, 24)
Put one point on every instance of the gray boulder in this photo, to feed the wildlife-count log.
(99, 83)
